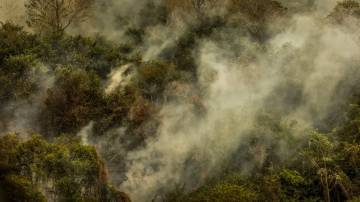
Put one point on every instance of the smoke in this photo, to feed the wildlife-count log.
(12, 10)
(323, 7)
(21, 116)
(159, 38)
(85, 133)
(297, 73)
(119, 77)
(112, 18)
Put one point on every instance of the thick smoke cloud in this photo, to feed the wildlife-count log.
(298, 73)
(308, 59)
(12, 10)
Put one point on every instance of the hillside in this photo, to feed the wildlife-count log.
(179, 100)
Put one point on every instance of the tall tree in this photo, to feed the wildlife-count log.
(55, 16)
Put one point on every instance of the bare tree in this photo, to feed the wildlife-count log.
(55, 16)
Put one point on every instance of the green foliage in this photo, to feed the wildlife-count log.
(344, 9)
(153, 77)
(356, 199)
(116, 109)
(258, 10)
(223, 192)
(17, 63)
(153, 14)
(64, 170)
(14, 41)
(90, 54)
(73, 102)
(18, 188)
(16, 79)
(292, 177)
(313, 166)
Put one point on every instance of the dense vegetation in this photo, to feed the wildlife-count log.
(66, 78)
(35, 170)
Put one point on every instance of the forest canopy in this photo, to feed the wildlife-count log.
(179, 100)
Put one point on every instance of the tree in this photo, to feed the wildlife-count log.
(64, 170)
(220, 192)
(55, 16)
(17, 63)
(321, 156)
(16, 81)
(257, 12)
(345, 9)
(153, 78)
(73, 102)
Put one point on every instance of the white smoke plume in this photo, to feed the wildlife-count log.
(119, 77)
(13, 11)
(85, 132)
(21, 116)
(311, 54)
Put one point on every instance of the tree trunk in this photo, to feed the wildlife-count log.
(326, 190)
(344, 191)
